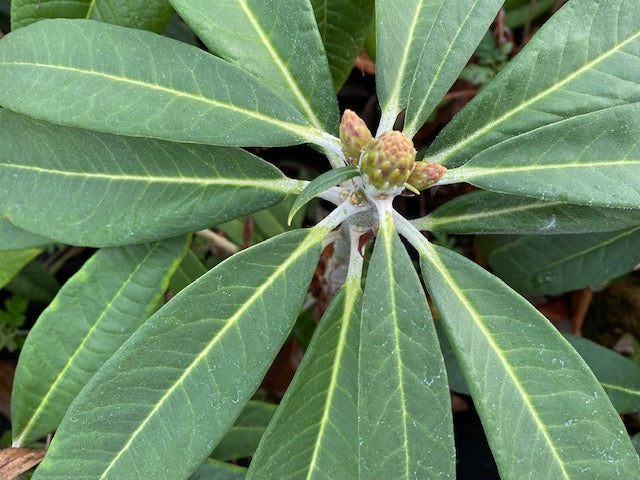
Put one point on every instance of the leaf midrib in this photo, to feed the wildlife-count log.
(387, 230)
(392, 105)
(443, 155)
(306, 133)
(411, 128)
(279, 185)
(464, 173)
(620, 388)
(91, 5)
(435, 260)
(440, 221)
(313, 237)
(345, 327)
(586, 251)
(284, 70)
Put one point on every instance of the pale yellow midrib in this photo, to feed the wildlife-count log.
(306, 245)
(465, 172)
(52, 387)
(446, 153)
(280, 185)
(436, 222)
(295, 89)
(620, 389)
(306, 133)
(432, 256)
(333, 383)
(392, 106)
(411, 128)
(586, 251)
(92, 4)
(387, 230)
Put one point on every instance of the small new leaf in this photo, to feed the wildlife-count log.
(321, 184)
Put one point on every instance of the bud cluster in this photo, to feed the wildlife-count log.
(387, 162)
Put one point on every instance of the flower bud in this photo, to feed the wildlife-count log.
(388, 160)
(358, 197)
(425, 174)
(354, 136)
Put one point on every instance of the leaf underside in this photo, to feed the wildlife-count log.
(12, 261)
(15, 238)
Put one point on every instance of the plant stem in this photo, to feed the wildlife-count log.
(219, 241)
(355, 257)
(413, 236)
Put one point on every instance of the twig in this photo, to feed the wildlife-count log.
(219, 241)
(68, 253)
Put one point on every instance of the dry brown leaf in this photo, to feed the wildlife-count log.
(16, 461)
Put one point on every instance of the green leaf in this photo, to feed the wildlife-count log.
(583, 60)
(422, 46)
(445, 53)
(519, 12)
(143, 14)
(343, 26)
(81, 187)
(215, 470)
(591, 159)
(14, 238)
(242, 439)
(619, 376)
(317, 418)
(405, 427)
(12, 261)
(119, 80)
(543, 411)
(636, 442)
(566, 262)
(320, 184)
(190, 369)
(34, 282)
(488, 212)
(270, 221)
(280, 44)
(457, 383)
(190, 269)
(90, 318)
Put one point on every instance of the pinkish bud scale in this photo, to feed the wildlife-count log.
(425, 174)
(354, 136)
(387, 161)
